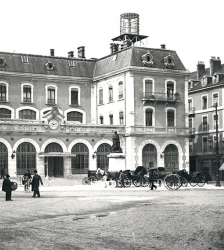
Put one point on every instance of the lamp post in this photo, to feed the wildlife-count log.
(217, 145)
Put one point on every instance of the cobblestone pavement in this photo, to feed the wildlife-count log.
(92, 217)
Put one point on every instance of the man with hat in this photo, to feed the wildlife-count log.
(35, 184)
(7, 188)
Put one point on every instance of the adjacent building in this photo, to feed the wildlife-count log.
(58, 114)
(206, 118)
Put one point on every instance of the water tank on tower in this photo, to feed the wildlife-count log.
(129, 23)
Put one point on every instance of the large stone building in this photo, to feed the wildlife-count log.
(58, 114)
(206, 98)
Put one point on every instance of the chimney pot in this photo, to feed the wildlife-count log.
(52, 52)
(71, 54)
(81, 52)
(215, 65)
(200, 69)
(163, 46)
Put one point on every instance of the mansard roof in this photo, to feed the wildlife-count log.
(37, 65)
(89, 68)
(132, 56)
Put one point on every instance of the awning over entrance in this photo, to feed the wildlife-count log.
(222, 167)
(56, 154)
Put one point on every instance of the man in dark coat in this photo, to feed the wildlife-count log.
(7, 188)
(35, 184)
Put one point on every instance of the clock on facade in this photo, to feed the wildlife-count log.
(53, 124)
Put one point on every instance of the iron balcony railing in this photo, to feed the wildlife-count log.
(161, 96)
(156, 130)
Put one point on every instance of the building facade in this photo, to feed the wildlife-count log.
(206, 118)
(58, 114)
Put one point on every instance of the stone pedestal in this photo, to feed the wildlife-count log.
(116, 162)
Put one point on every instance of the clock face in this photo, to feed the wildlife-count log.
(53, 124)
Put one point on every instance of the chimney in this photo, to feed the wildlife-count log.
(71, 54)
(81, 52)
(215, 65)
(51, 52)
(200, 69)
(163, 46)
(114, 47)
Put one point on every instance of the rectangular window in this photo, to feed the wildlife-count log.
(148, 88)
(190, 123)
(2, 93)
(101, 96)
(74, 97)
(204, 102)
(26, 94)
(205, 123)
(110, 94)
(170, 118)
(148, 117)
(111, 119)
(205, 144)
(121, 118)
(120, 90)
(51, 96)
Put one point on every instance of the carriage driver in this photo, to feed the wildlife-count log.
(104, 174)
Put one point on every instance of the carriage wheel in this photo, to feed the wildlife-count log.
(201, 181)
(172, 181)
(127, 182)
(183, 181)
(145, 181)
(193, 182)
(92, 179)
(137, 183)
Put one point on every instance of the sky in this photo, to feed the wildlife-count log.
(193, 28)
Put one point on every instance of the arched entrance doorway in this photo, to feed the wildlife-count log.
(102, 152)
(149, 156)
(54, 165)
(25, 158)
(80, 163)
(3, 158)
(171, 158)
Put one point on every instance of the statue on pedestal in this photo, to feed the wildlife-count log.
(116, 143)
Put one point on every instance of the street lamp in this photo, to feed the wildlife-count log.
(217, 145)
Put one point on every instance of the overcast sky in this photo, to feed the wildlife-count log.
(193, 28)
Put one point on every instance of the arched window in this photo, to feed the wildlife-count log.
(102, 152)
(75, 116)
(3, 157)
(25, 158)
(170, 90)
(5, 113)
(27, 114)
(171, 159)
(80, 163)
(149, 117)
(53, 147)
(149, 156)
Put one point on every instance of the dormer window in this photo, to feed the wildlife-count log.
(169, 62)
(49, 66)
(71, 63)
(2, 62)
(24, 59)
(204, 81)
(147, 59)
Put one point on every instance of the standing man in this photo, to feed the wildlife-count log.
(35, 184)
(7, 188)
